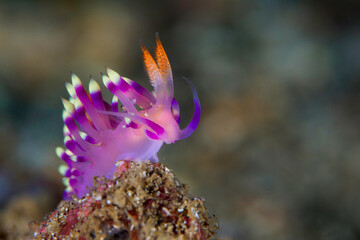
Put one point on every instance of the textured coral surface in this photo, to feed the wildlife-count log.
(142, 201)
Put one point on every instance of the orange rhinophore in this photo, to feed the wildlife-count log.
(162, 60)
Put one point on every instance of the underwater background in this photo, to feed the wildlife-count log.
(277, 151)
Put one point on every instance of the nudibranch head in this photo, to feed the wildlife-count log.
(98, 134)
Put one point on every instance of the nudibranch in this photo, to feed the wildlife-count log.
(98, 134)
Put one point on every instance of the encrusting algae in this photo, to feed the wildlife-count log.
(142, 201)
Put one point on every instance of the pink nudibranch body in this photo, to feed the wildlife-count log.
(97, 134)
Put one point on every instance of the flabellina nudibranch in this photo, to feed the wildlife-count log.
(98, 134)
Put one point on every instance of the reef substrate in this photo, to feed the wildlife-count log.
(142, 201)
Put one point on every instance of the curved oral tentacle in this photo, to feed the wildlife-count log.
(196, 117)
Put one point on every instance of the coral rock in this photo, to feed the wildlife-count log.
(142, 201)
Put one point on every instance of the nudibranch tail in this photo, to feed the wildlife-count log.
(97, 134)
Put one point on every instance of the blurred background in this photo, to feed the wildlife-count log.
(277, 151)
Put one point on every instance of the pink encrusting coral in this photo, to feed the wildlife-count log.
(97, 134)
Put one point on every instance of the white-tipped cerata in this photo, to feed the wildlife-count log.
(70, 89)
(93, 86)
(63, 169)
(75, 80)
(114, 76)
(69, 107)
